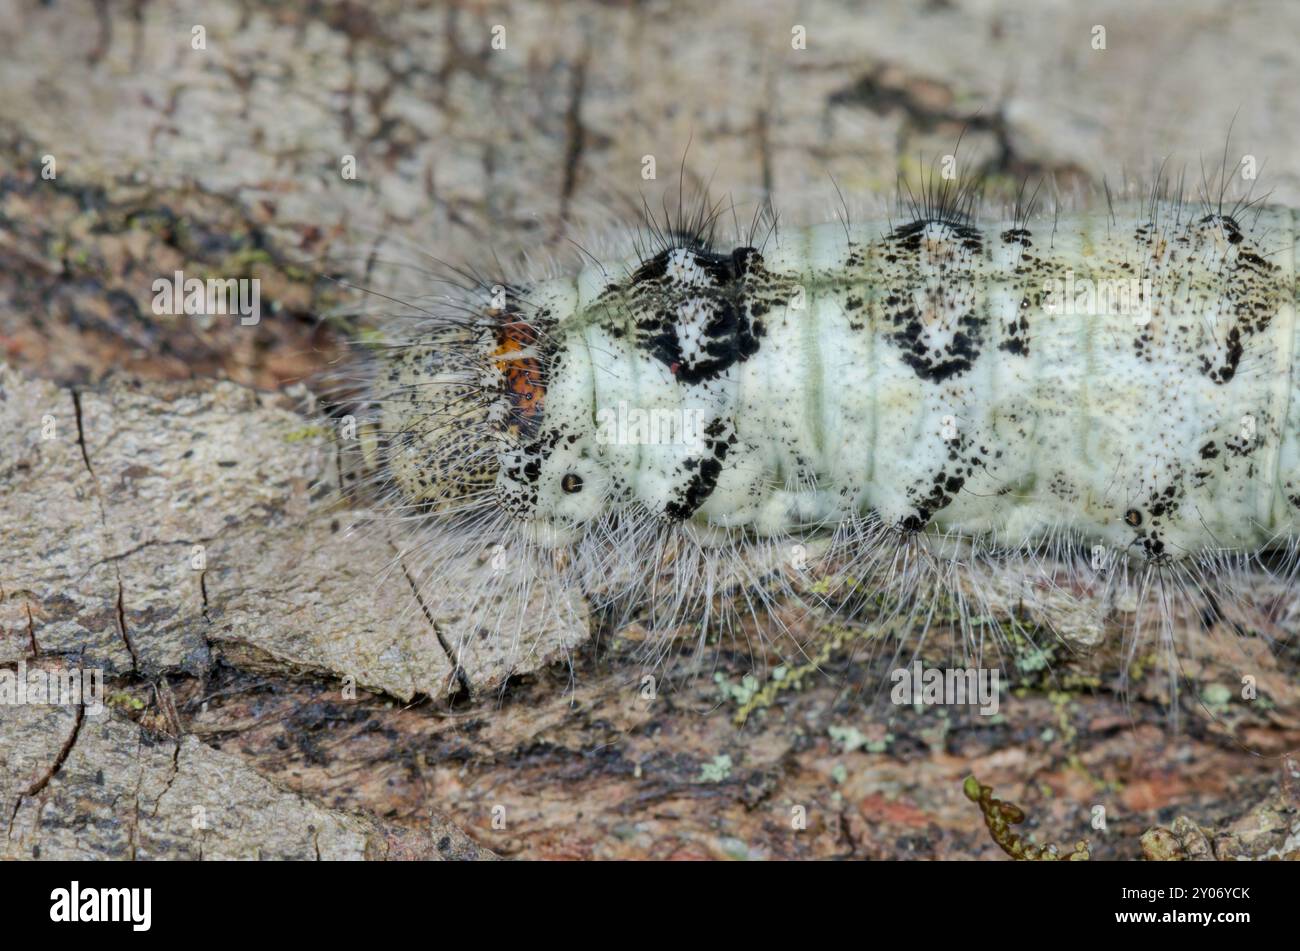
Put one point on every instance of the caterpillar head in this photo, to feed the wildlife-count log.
(474, 429)
(550, 476)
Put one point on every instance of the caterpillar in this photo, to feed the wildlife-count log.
(856, 417)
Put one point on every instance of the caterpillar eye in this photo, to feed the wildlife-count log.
(571, 483)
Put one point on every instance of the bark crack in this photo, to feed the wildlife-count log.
(103, 518)
(38, 785)
(121, 622)
(575, 134)
(31, 630)
(203, 593)
(81, 442)
(458, 671)
(176, 768)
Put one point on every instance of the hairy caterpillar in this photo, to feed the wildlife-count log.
(1098, 399)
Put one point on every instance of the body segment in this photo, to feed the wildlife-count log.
(1125, 381)
(1123, 378)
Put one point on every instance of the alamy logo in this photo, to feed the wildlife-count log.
(68, 686)
(1084, 297)
(952, 686)
(215, 296)
(103, 904)
(660, 426)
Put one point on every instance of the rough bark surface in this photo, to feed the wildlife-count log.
(78, 786)
(169, 504)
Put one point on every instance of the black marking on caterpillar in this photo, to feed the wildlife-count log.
(700, 297)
